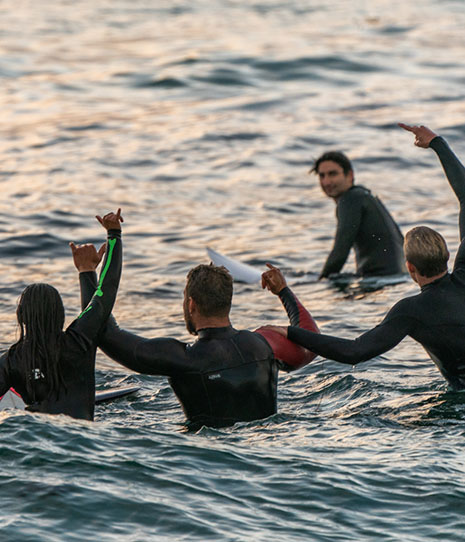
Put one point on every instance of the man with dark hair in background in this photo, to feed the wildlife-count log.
(363, 222)
(435, 317)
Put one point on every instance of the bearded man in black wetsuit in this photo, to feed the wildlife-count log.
(363, 222)
(226, 375)
(436, 316)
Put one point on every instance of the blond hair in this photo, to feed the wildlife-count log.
(427, 250)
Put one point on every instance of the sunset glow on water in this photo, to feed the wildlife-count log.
(201, 121)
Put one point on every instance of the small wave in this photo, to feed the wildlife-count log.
(241, 136)
(85, 127)
(54, 141)
(166, 82)
(168, 178)
(32, 246)
(300, 67)
(224, 76)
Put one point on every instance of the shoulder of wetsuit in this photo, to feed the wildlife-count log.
(251, 341)
(353, 198)
(357, 191)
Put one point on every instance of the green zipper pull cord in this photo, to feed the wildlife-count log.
(99, 291)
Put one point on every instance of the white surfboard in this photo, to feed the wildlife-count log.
(240, 272)
(11, 399)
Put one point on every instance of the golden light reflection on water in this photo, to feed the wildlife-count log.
(201, 121)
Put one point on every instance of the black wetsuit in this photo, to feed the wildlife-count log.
(364, 223)
(435, 317)
(224, 377)
(76, 395)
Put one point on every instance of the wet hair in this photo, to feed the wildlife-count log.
(333, 156)
(211, 287)
(41, 317)
(427, 250)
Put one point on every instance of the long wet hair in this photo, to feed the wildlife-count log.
(41, 317)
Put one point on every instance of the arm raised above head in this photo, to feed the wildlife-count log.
(453, 167)
(163, 356)
(86, 258)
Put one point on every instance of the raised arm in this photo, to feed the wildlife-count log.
(96, 312)
(146, 356)
(284, 349)
(453, 168)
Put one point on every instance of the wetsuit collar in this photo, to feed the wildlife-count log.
(215, 332)
(432, 284)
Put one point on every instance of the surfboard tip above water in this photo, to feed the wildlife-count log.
(240, 272)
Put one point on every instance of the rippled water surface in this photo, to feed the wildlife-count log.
(200, 119)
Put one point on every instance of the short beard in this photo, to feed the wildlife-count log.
(189, 323)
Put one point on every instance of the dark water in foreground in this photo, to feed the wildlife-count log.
(200, 120)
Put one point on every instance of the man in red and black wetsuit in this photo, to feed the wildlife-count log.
(227, 375)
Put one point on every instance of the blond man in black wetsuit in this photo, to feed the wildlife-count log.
(363, 222)
(436, 316)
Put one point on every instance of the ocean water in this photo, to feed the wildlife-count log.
(200, 119)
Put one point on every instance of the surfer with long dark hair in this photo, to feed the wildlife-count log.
(51, 368)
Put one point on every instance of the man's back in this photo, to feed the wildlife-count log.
(224, 377)
(437, 321)
(229, 376)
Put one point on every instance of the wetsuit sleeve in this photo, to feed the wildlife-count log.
(292, 356)
(455, 173)
(297, 313)
(4, 374)
(382, 338)
(349, 216)
(164, 356)
(88, 285)
(95, 314)
(160, 356)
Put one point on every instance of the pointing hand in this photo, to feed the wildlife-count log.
(423, 135)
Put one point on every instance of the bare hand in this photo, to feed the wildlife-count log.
(282, 330)
(86, 257)
(273, 279)
(111, 221)
(423, 135)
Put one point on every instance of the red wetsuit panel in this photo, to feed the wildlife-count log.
(293, 355)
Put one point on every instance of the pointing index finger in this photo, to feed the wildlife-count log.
(407, 127)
